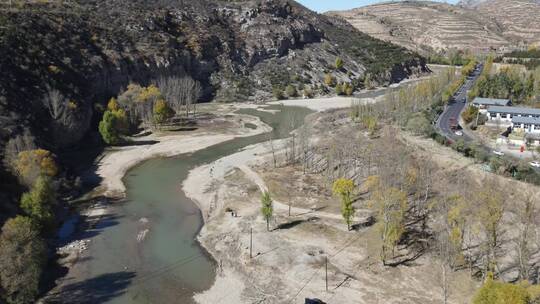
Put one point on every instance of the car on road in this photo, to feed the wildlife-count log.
(497, 152)
(535, 164)
(458, 133)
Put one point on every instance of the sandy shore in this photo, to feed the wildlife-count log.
(114, 165)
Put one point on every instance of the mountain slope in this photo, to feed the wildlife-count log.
(519, 19)
(479, 25)
(425, 26)
(85, 51)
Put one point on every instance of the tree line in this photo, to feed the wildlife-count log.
(149, 107)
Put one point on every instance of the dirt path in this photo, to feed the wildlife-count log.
(257, 180)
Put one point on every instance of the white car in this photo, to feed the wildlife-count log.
(458, 133)
(535, 164)
(497, 152)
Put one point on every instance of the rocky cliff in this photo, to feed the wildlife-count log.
(61, 60)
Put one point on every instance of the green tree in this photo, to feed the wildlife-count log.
(339, 63)
(162, 111)
(291, 91)
(267, 208)
(39, 201)
(22, 258)
(113, 124)
(344, 188)
(107, 128)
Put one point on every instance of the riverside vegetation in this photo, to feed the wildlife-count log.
(80, 75)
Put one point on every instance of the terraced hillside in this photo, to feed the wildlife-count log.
(426, 26)
(519, 19)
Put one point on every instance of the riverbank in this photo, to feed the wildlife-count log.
(219, 126)
(287, 263)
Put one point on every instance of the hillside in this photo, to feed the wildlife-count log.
(426, 26)
(519, 19)
(83, 52)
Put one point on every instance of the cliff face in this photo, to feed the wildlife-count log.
(79, 54)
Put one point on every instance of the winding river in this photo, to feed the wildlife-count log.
(145, 249)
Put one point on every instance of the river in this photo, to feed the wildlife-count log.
(145, 248)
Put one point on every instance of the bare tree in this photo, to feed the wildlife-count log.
(180, 92)
(17, 144)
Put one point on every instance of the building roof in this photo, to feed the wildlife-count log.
(526, 120)
(491, 101)
(513, 110)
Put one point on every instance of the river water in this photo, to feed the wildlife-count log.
(145, 251)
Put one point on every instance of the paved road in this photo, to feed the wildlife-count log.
(454, 108)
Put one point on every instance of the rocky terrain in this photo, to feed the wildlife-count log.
(479, 25)
(80, 53)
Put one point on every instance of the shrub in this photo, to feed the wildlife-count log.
(38, 203)
(107, 128)
(329, 80)
(22, 258)
(34, 163)
(419, 125)
(291, 91)
(348, 89)
(469, 114)
(339, 89)
(277, 92)
(162, 111)
(339, 63)
(494, 292)
(112, 105)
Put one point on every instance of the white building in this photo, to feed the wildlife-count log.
(526, 124)
(483, 103)
(504, 115)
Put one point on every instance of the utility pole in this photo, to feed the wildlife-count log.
(326, 271)
(250, 242)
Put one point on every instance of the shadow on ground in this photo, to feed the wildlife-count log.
(100, 289)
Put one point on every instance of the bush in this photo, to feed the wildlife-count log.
(339, 63)
(339, 89)
(349, 89)
(34, 163)
(329, 80)
(277, 92)
(22, 258)
(113, 125)
(162, 111)
(291, 91)
(418, 124)
(38, 203)
(494, 292)
(308, 92)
